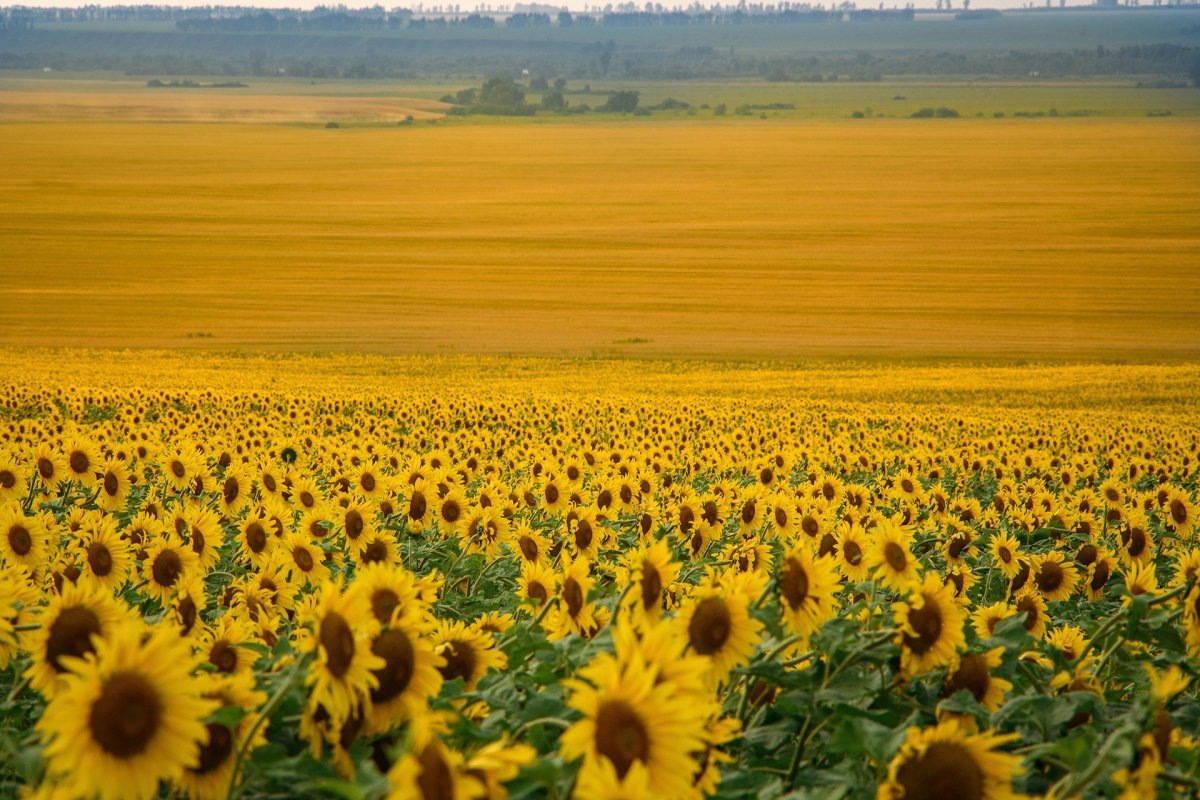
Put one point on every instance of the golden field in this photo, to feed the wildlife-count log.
(253, 575)
(1056, 238)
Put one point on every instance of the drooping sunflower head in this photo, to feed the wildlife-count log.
(929, 626)
(944, 761)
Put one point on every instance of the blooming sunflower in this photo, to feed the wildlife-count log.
(973, 673)
(451, 512)
(945, 761)
(1180, 513)
(107, 558)
(341, 675)
(307, 560)
(127, 718)
(165, 563)
(574, 613)
(254, 539)
(807, 585)
(889, 556)
(209, 777)
(23, 540)
(1005, 550)
(71, 624)
(1029, 602)
(49, 465)
(114, 485)
(468, 652)
(1054, 576)
(628, 719)
(410, 675)
(81, 460)
(429, 770)
(718, 625)
(850, 552)
(536, 584)
(650, 569)
(930, 626)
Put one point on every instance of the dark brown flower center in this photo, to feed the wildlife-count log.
(451, 511)
(971, 675)
(354, 524)
(793, 583)
(223, 656)
(1049, 577)
(417, 505)
(99, 559)
(383, 603)
(71, 635)
(651, 586)
(460, 661)
(166, 568)
(895, 556)
(111, 484)
(583, 534)
(126, 715)
(944, 770)
(687, 518)
(1179, 512)
(435, 782)
(710, 626)
(396, 649)
(572, 596)
(337, 639)
(926, 621)
(19, 539)
(303, 559)
(79, 462)
(621, 736)
(230, 490)
(45, 468)
(1028, 606)
(216, 750)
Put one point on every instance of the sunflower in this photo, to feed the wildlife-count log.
(49, 465)
(718, 625)
(451, 512)
(417, 508)
(1054, 575)
(205, 535)
(18, 598)
(226, 644)
(574, 613)
(81, 461)
(369, 481)
(23, 540)
(1033, 605)
(429, 770)
(1139, 579)
(71, 624)
(485, 529)
(392, 593)
(984, 620)
(255, 541)
(974, 673)
(209, 777)
(189, 601)
(648, 569)
(807, 585)
(307, 560)
(468, 652)
(107, 558)
(1180, 514)
(379, 548)
(1136, 541)
(165, 563)
(306, 494)
(1069, 640)
(179, 467)
(126, 719)
(234, 491)
(1101, 568)
(553, 495)
(536, 584)
(929, 626)
(530, 545)
(889, 555)
(114, 485)
(497, 763)
(584, 535)
(1005, 550)
(850, 552)
(945, 761)
(630, 720)
(410, 676)
(341, 675)
(749, 512)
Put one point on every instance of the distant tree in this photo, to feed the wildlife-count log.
(1195, 71)
(625, 102)
(539, 84)
(554, 101)
(502, 95)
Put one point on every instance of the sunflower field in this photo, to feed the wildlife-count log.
(452, 578)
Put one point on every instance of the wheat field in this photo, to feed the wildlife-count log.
(1057, 238)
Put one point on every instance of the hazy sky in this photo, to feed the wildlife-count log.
(575, 5)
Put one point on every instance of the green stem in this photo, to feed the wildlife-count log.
(284, 687)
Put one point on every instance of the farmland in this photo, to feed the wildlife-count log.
(1049, 237)
(393, 409)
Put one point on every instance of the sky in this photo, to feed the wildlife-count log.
(574, 5)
